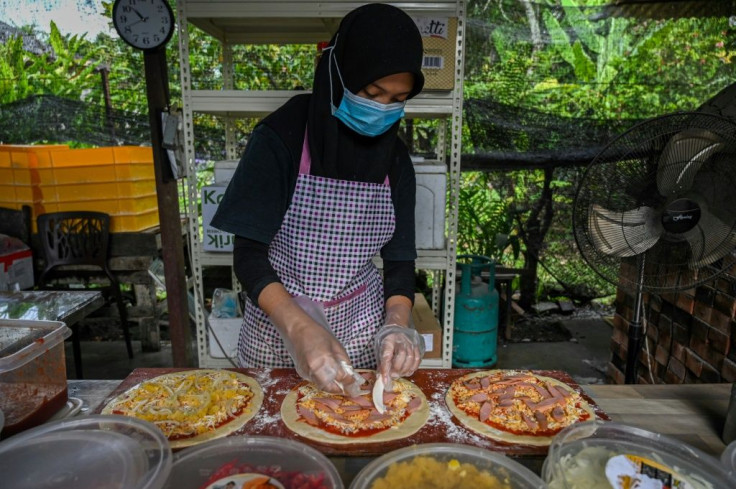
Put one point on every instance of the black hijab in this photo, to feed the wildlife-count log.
(372, 41)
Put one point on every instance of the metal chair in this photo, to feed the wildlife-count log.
(79, 238)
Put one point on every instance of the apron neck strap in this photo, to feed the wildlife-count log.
(305, 163)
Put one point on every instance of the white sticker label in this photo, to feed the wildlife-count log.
(428, 342)
(433, 26)
(631, 471)
(433, 62)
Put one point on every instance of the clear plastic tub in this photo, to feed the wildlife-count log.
(590, 455)
(728, 459)
(449, 464)
(89, 452)
(256, 461)
(32, 372)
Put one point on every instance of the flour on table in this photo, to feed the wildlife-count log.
(264, 378)
(260, 422)
(440, 416)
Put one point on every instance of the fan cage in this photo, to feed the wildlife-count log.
(623, 176)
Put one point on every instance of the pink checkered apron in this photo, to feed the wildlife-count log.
(324, 250)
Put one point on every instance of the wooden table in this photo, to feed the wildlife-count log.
(692, 413)
(69, 307)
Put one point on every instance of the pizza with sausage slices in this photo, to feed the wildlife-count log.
(338, 419)
(192, 406)
(516, 406)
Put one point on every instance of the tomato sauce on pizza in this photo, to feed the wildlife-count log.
(321, 416)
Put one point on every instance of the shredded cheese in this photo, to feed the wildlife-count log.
(518, 402)
(350, 417)
(186, 404)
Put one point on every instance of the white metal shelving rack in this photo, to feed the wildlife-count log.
(309, 22)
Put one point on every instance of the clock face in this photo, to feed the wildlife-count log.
(144, 24)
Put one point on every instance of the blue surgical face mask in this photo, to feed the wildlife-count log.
(362, 115)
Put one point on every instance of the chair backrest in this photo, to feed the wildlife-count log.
(16, 223)
(74, 238)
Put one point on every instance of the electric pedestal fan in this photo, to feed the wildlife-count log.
(656, 209)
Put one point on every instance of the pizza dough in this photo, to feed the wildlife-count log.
(396, 407)
(524, 408)
(192, 401)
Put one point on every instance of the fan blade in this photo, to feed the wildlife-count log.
(682, 157)
(710, 240)
(626, 233)
(715, 189)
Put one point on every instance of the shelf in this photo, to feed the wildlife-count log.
(241, 103)
(239, 22)
(431, 363)
(215, 258)
(286, 22)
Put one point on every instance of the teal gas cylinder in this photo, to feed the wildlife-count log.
(475, 326)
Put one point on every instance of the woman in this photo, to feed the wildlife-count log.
(323, 186)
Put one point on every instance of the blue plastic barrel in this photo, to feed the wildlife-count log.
(475, 325)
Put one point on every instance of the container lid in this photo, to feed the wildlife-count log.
(419, 466)
(234, 462)
(95, 451)
(728, 459)
(22, 341)
(593, 453)
(430, 166)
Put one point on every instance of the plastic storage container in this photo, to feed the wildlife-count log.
(118, 180)
(32, 372)
(95, 451)
(589, 455)
(224, 171)
(429, 214)
(418, 466)
(728, 459)
(252, 462)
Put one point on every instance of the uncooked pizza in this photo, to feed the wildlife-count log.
(192, 406)
(338, 419)
(516, 406)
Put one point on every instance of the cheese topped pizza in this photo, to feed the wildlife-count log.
(192, 406)
(333, 418)
(516, 406)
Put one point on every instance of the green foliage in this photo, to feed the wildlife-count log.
(583, 66)
(486, 224)
(68, 69)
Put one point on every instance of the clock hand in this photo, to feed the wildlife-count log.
(137, 22)
(139, 14)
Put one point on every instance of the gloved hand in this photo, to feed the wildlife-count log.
(399, 350)
(318, 355)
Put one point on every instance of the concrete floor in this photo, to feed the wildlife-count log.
(584, 357)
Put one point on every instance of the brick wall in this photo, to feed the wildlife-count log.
(688, 334)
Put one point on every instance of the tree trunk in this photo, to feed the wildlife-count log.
(533, 232)
(534, 30)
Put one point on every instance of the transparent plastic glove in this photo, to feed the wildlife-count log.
(318, 356)
(399, 350)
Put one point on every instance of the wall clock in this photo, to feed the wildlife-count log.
(144, 24)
